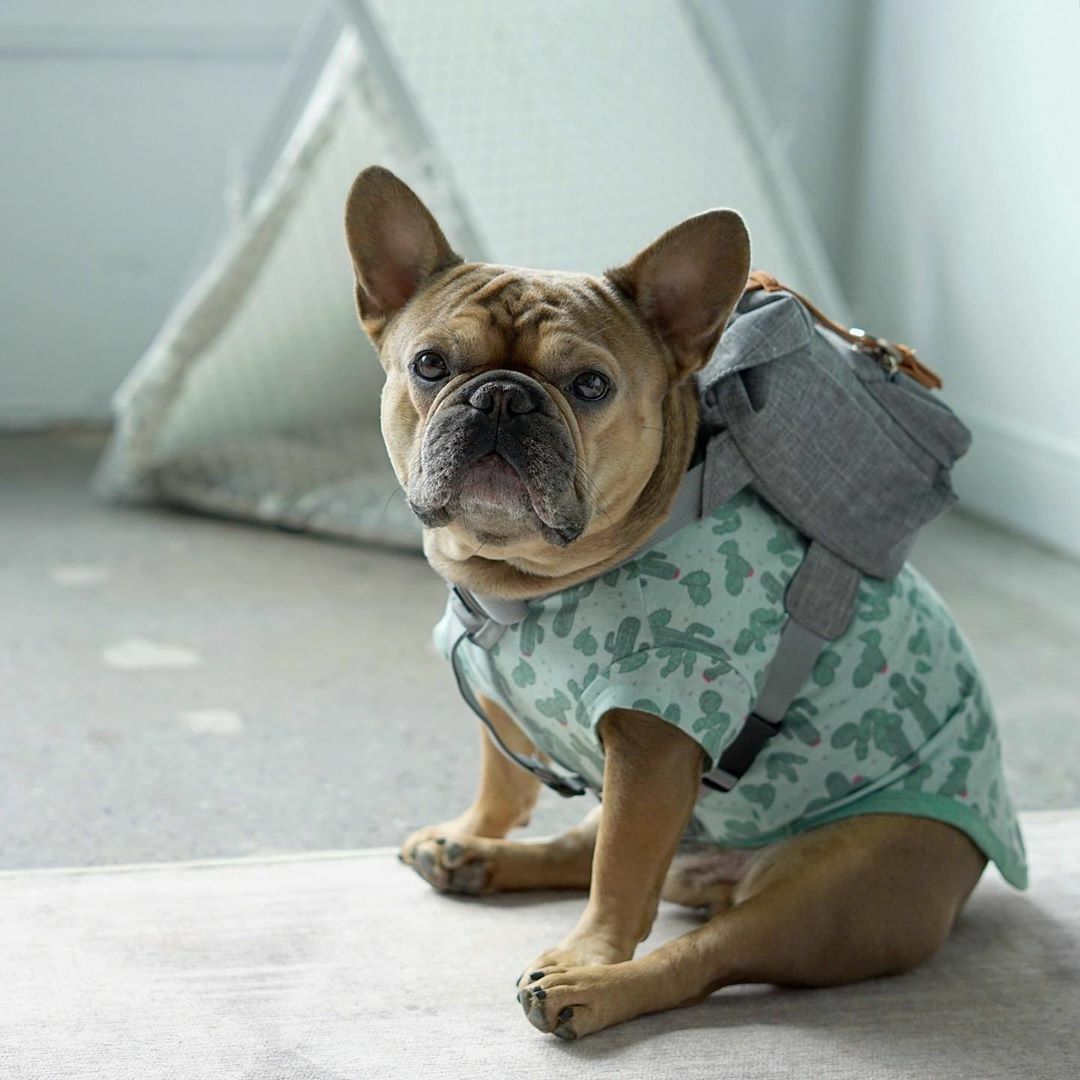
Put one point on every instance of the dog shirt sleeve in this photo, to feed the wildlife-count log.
(700, 694)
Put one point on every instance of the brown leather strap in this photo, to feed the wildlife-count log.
(891, 355)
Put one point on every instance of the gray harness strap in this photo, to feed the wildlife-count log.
(832, 583)
(477, 628)
(794, 659)
(485, 618)
(820, 601)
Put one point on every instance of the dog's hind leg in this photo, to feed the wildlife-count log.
(705, 877)
(859, 898)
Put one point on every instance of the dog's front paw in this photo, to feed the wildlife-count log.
(449, 863)
(563, 984)
(575, 1001)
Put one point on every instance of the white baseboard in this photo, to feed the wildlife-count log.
(1024, 479)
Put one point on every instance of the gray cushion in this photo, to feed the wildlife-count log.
(346, 965)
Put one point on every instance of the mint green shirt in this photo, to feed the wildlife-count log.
(895, 718)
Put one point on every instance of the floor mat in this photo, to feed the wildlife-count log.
(332, 966)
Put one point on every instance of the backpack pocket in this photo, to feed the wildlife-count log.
(922, 418)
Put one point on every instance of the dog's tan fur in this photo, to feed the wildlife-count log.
(869, 896)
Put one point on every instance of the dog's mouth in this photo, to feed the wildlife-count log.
(493, 483)
(497, 501)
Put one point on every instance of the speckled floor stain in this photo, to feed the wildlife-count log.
(138, 654)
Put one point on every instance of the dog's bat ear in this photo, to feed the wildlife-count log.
(395, 243)
(686, 283)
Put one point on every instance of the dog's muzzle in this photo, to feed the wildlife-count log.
(512, 415)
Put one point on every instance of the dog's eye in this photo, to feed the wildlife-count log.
(430, 366)
(590, 386)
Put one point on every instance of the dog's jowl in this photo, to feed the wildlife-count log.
(542, 425)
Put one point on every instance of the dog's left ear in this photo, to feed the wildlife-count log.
(686, 283)
(395, 243)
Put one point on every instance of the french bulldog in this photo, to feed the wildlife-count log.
(540, 423)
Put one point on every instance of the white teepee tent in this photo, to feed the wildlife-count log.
(540, 132)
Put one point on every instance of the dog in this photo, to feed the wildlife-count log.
(540, 424)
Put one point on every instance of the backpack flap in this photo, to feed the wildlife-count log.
(763, 327)
(821, 596)
(857, 459)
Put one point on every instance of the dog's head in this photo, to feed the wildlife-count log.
(538, 421)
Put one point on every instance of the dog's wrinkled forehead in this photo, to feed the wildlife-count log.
(517, 318)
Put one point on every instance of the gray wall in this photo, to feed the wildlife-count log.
(119, 123)
(809, 61)
(968, 220)
(939, 151)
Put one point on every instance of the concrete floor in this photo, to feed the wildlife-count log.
(177, 687)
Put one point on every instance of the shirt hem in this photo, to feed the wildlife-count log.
(915, 804)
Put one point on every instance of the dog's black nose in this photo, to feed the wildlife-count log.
(502, 397)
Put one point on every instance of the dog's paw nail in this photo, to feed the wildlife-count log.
(536, 975)
(440, 840)
(519, 978)
(565, 1014)
(539, 993)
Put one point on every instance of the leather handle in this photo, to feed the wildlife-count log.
(891, 355)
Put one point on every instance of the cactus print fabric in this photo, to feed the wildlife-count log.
(894, 719)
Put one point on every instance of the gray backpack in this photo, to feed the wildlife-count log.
(838, 432)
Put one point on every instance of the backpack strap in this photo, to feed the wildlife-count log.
(822, 594)
(485, 618)
(794, 659)
(891, 355)
(820, 602)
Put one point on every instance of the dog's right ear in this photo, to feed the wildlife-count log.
(395, 243)
(686, 284)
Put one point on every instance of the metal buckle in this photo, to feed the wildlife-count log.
(883, 351)
(889, 357)
(566, 786)
(771, 726)
(720, 780)
(755, 732)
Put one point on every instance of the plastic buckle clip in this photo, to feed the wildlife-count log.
(739, 756)
(566, 786)
(887, 355)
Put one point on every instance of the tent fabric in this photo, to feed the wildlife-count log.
(566, 136)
